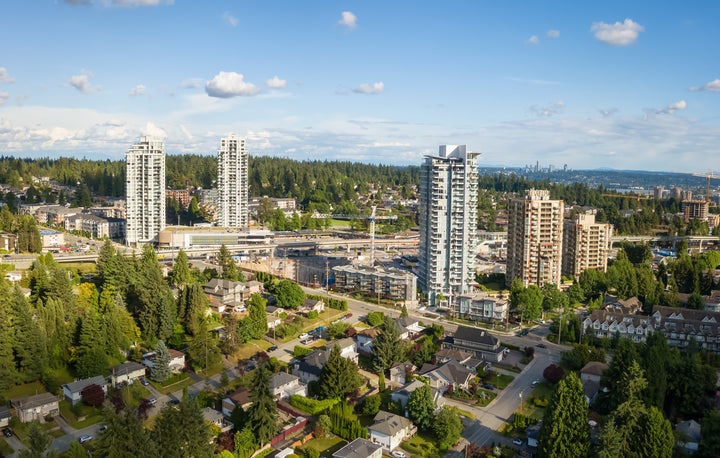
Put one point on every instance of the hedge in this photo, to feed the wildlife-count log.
(311, 406)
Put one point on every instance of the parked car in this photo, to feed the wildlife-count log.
(523, 333)
(102, 428)
(536, 382)
(398, 454)
(488, 386)
(517, 441)
(541, 345)
(144, 381)
(7, 432)
(273, 348)
(85, 438)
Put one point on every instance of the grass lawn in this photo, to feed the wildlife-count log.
(501, 381)
(21, 430)
(341, 223)
(484, 397)
(326, 445)
(175, 383)
(422, 445)
(249, 349)
(92, 415)
(212, 370)
(543, 390)
(465, 413)
(28, 389)
(5, 449)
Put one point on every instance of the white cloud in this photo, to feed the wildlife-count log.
(553, 33)
(348, 19)
(367, 88)
(3, 98)
(154, 131)
(138, 90)
(617, 34)
(5, 76)
(230, 84)
(549, 110)
(712, 86)
(533, 40)
(229, 18)
(276, 83)
(607, 112)
(82, 82)
(192, 83)
(672, 108)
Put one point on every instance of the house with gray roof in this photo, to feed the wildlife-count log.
(451, 374)
(402, 395)
(127, 372)
(73, 391)
(37, 407)
(4, 416)
(389, 430)
(283, 385)
(359, 448)
(477, 342)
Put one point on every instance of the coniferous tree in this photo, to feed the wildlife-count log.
(565, 430)
(181, 431)
(76, 451)
(39, 442)
(28, 341)
(339, 376)
(388, 348)
(227, 263)
(161, 364)
(125, 437)
(262, 415)
(181, 270)
(245, 444)
(8, 371)
(257, 317)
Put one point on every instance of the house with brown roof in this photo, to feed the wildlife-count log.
(239, 398)
(364, 340)
(590, 376)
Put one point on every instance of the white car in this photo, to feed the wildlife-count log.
(517, 441)
(304, 336)
(398, 454)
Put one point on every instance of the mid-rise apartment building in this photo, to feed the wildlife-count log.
(448, 223)
(585, 245)
(535, 237)
(695, 209)
(232, 183)
(145, 190)
(387, 282)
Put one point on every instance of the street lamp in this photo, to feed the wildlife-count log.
(521, 402)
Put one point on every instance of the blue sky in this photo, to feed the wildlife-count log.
(627, 85)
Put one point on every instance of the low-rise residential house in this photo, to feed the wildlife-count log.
(451, 354)
(4, 416)
(308, 369)
(409, 327)
(238, 398)
(481, 306)
(389, 430)
(252, 287)
(402, 395)
(400, 372)
(283, 385)
(176, 363)
(359, 448)
(37, 407)
(73, 391)
(127, 372)
(478, 342)
(533, 434)
(347, 348)
(450, 374)
(629, 306)
(689, 436)
(273, 321)
(224, 294)
(364, 340)
(590, 376)
(215, 418)
(312, 305)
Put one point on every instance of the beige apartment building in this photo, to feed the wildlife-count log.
(585, 245)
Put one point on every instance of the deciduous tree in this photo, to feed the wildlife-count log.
(421, 407)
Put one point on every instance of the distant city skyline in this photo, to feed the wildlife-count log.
(623, 85)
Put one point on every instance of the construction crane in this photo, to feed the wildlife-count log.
(372, 235)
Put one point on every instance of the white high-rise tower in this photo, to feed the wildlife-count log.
(232, 183)
(448, 223)
(145, 190)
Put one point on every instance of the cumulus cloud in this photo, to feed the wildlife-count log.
(3, 98)
(553, 33)
(138, 90)
(617, 34)
(5, 76)
(82, 82)
(672, 108)
(229, 18)
(548, 110)
(154, 131)
(348, 19)
(230, 84)
(367, 88)
(276, 83)
(712, 86)
(533, 40)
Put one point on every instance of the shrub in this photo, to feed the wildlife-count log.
(300, 351)
(553, 373)
(311, 406)
(312, 314)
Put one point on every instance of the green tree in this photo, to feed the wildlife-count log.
(28, 340)
(375, 318)
(8, 371)
(181, 431)
(160, 371)
(181, 270)
(228, 266)
(447, 426)
(262, 415)
(125, 437)
(339, 376)
(710, 429)
(257, 317)
(245, 444)
(530, 303)
(388, 348)
(39, 442)
(288, 294)
(421, 407)
(565, 430)
(76, 451)
(611, 441)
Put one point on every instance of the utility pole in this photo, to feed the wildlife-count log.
(327, 275)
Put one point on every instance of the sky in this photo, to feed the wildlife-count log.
(617, 84)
